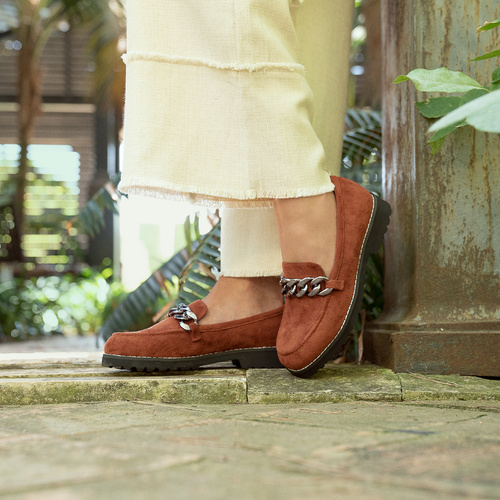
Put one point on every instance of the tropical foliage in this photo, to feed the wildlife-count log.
(362, 151)
(69, 303)
(183, 278)
(478, 106)
(362, 136)
(90, 219)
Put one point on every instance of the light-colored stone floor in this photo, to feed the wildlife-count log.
(144, 449)
(71, 429)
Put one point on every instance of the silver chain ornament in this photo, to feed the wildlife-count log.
(300, 287)
(183, 313)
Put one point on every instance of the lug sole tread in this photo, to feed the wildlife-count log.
(244, 358)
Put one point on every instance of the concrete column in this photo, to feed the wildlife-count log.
(442, 282)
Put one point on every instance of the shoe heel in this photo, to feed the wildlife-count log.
(380, 223)
(262, 358)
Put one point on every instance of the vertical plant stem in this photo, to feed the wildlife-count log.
(29, 99)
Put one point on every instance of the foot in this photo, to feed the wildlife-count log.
(238, 298)
(181, 342)
(319, 313)
(307, 229)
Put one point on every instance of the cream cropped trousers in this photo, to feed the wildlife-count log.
(233, 103)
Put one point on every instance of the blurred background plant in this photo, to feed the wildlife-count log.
(69, 304)
(362, 153)
(60, 59)
(61, 265)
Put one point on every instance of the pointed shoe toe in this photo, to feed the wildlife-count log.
(181, 343)
(320, 311)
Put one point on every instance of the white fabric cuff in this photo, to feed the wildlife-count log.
(249, 243)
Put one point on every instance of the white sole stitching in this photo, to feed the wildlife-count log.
(192, 357)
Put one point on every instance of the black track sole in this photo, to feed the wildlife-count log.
(374, 239)
(265, 357)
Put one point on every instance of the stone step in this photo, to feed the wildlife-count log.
(71, 377)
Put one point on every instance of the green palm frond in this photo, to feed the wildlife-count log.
(194, 276)
(373, 299)
(90, 220)
(136, 310)
(199, 275)
(361, 152)
(362, 136)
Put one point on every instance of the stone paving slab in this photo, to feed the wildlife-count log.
(23, 360)
(50, 370)
(54, 344)
(482, 406)
(375, 450)
(61, 370)
(420, 387)
(201, 388)
(334, 383)
(52, 377)
(49, 376)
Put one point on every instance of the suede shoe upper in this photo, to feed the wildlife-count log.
(311, 324)
(168, 339)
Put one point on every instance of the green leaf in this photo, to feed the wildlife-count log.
(363, 135)
(202, 278)
(440, 80)
(488, 55)
(437, 145)
(401, 78)
(471, 95)
(442, 133)
(495, 77)
(487, 120)
(186, 297)
(488, 25)
(482, 113)
(91, 218)
(437, 140)
(438, 106)
(194, 287)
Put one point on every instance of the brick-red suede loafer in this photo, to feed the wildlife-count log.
(320, 311)
(180, 343)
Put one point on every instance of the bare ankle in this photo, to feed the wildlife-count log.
(237, 298)
(307, 229)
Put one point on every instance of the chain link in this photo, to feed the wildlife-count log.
(300, 287)
(183, 313)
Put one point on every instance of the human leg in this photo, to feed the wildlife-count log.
(251, 266)
(218, 107)
(275, 142)
(306, 231)
(333, 234)
(323, 28)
